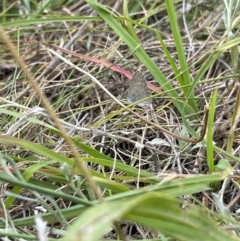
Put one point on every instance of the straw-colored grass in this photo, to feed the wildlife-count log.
(78, 162)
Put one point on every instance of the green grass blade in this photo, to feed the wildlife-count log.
(185, 81)
(210, 150)
(141, 55)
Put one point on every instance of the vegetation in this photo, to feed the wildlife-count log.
(78, 162)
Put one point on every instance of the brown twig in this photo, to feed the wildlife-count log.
(51, 112)
(194, 141)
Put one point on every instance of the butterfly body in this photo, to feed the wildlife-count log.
(138, 90)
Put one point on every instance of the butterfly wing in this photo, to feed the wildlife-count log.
(138, 90)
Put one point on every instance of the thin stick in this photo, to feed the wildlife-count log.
(51, 112)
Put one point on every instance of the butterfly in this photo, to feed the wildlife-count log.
(138, 90)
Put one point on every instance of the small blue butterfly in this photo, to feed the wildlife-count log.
(138, 90)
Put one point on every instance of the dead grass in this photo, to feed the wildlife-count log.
(98, 121)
